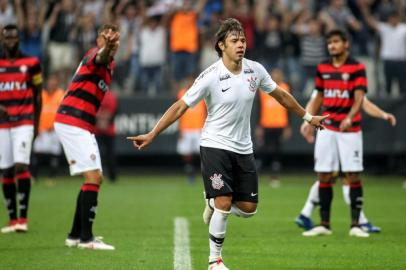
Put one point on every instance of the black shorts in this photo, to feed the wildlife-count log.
(229, 173)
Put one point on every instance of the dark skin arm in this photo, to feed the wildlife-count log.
(105, 54)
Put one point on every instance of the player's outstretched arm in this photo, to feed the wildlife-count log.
(105, 54)
(373, 110)
(289, 102)
(171, 115)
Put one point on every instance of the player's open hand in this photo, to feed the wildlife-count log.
(141, 141)
(345, 124)
(307, 132)
(390, 118)
(317, 121)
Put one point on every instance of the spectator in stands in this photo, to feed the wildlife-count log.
(184, 40)
(152, 52)
(47, 148)
(30, 22)
(312, 47)
(272, 130)
(85, 34)
(393, 48)
(62, 54)
(7, 14)
(106, 133)
(338, 15)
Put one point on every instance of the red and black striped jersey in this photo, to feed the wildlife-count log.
(338, 85)
(85, 93)
(17, 92)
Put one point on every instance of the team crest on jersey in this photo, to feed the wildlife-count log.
(23, 69)
(253, 83)
(345, 76)
(216, 181)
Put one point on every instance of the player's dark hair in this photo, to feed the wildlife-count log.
(337, 32)
(9, 27)
(227, 27)
(105, 27)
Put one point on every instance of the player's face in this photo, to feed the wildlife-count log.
(10, 39)
(336, 46)
(234, 46)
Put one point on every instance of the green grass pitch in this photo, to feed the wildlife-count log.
(137, 216)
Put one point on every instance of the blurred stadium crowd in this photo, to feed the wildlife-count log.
(164, 43)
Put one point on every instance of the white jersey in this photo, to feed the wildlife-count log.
(229, 100)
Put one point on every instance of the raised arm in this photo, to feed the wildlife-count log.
(105, 54)
(373, 110)
(171, 115)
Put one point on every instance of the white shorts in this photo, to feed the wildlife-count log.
(15, 145)
(80, 147)
(47, 143)
(189, 142)
(333, 149)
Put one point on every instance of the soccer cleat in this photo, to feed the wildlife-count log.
(22, 225)
(304, 222)
(358, 232)
(217, 265)
(316, 231)
(96, 244)
(72, 242)
(208, 211)
(370, 228)
(11, 227)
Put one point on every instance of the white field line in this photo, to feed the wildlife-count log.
(181, 258)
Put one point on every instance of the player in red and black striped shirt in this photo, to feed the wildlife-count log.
(75, 124)
(341, 84)
(20, 105)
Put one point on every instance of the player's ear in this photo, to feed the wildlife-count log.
(221, 45)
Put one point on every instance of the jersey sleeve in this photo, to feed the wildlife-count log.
(198, 91)
(36, 73)
(90, 56)
(360, 79)
(265, 81)
(318, 81)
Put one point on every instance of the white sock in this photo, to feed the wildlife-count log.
(346, 195)
(217, 232)
(239, 213)
(312, 199)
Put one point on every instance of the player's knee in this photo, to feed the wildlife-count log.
(223, 203)
(93, 177)
(244, 210)
(353, 177)
(326, 177)
(20, 168)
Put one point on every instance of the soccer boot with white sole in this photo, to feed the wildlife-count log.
(11, 227)
(358, 232)
(208, 211)
(96, 244)
(72, 242)
(217, 265)
(22, 225)
(316, 231)
(370, 228)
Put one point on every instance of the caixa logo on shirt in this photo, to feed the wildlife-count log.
(10, 86)
(103, 85)
(336, 93)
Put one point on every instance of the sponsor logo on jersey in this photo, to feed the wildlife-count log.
(248, 71)
(253, 83)
(10, 86)
(225, 77)
(336, 93)
(326, 76)
(103, 85)
(345, 76)
(216, 181)
(23, 69)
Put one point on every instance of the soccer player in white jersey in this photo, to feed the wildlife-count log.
(229, 173)
(304, 219)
